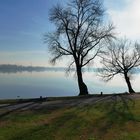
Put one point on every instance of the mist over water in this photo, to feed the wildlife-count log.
(56, 83)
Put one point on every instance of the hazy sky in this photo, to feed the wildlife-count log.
(23, 23)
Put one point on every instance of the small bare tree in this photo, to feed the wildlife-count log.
(79, 34)
(122, 57)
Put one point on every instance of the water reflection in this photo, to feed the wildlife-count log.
(56, 83)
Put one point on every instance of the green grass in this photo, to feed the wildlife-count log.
(103, 121)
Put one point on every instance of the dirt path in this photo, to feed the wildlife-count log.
(57, 104)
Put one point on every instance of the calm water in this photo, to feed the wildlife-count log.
(51, 83)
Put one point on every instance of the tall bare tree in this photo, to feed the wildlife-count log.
(122, 57)
(79, 33)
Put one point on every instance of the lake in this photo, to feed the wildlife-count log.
(57, 83)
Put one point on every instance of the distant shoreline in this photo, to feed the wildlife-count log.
(135, 95)
(9, 68)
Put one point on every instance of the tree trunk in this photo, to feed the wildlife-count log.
(130, 89)
(82, 86)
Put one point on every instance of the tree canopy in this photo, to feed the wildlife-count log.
(80, 33)
(122, 57)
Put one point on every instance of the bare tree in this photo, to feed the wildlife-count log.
(122, 57)
(79, 34)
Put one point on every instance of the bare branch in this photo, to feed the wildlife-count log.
(80, 33)
(122, 58)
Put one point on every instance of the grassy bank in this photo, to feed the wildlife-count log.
(101, 121)
(20, 100)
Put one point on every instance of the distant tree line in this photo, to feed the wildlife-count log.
(8, 68)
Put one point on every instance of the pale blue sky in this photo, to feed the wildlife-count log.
(22, 25)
